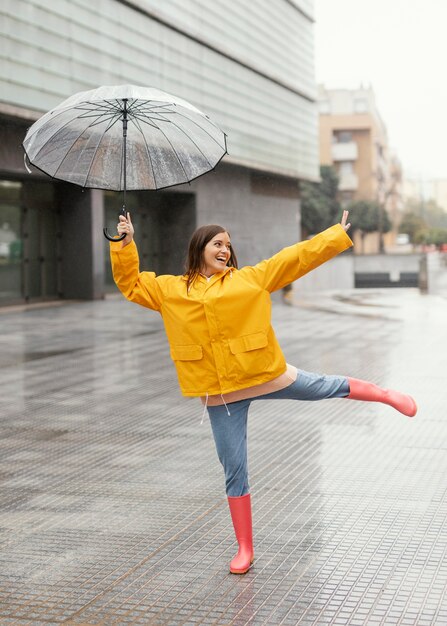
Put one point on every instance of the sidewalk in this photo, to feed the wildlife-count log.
(113, 508)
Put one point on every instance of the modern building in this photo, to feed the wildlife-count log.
(353, 139)
(249, 66)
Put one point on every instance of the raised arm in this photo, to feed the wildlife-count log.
(295, 261)
(140, 287)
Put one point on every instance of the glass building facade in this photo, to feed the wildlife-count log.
(249, 66)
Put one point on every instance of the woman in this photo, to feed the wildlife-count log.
(218, 322)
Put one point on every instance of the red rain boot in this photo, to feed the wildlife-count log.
(240, 509)
(362, 390)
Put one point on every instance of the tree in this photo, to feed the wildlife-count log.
(424, 221)
(415, 227)
(437, 236)
(319, 205)
(434, 215)
(365, 216)
(428, 211)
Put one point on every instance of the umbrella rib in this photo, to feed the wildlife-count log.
(98, 112)
(99, 118)
(73, 143)
(175, 152)
(142, 103)
(201, 127)
(208, 120)
(117, 104)
(147, 150)
(193, 142)
(96, 106)
(52, 136)
(186, 135)
(191, 139)
(55, 133)
(97, 148)
(52, 115)
(158, 116)
(146, 120)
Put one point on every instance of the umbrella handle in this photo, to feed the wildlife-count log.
(115, 238)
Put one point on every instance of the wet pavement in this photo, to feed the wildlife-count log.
(112, 500)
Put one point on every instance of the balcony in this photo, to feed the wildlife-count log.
(344, 151)
(348, 182)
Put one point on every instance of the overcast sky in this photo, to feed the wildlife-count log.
(399, 47)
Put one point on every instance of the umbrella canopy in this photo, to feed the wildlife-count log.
(125, 137)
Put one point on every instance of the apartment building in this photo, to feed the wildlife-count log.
(353, 139)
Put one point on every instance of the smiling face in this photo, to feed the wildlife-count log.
(216, 254)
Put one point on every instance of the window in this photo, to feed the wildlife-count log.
(343, 136)
(29, 248)
(11, 242)
(346, 168)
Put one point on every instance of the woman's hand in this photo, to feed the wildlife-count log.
(344, 219)
(125, 226)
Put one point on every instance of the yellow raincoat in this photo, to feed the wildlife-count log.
(220, 332)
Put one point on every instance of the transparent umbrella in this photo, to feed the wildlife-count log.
(124, 138)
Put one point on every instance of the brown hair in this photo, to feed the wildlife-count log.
(198, 241)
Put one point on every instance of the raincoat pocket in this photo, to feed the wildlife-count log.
(254, 341)
(186, 353)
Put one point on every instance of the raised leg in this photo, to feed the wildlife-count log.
(369, 392)
(311, 386)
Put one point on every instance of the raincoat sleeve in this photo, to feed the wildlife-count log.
(295, 261)
(140, 287)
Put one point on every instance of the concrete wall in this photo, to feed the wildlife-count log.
(434, 271)
(340, 273)
(390, 263)
(260, 211)
(387, 270)
(82, 256)
(335, 275)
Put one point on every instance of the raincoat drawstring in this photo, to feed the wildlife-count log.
(206, 405)
(204, 409)
(228, 412)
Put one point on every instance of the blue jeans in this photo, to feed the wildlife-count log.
(230, 431)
